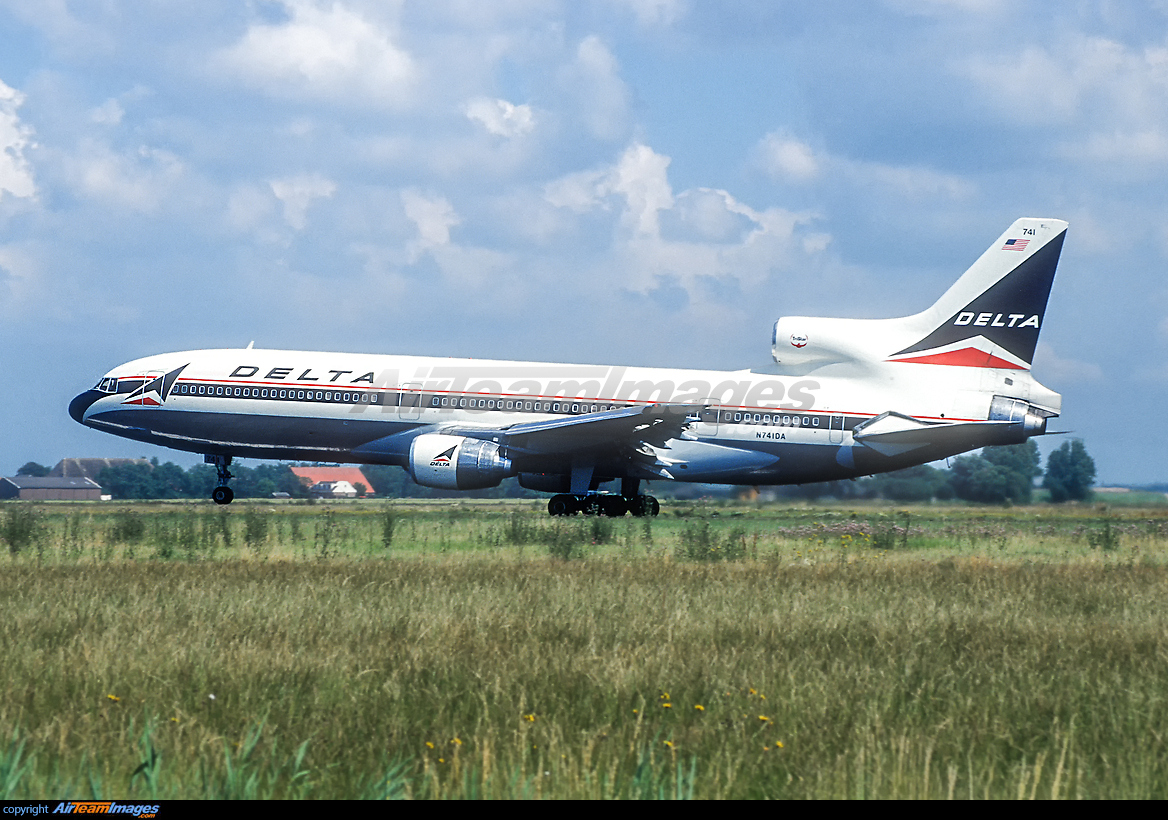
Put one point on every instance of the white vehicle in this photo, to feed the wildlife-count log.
(842, 398)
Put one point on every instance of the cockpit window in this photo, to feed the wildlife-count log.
(113, 385)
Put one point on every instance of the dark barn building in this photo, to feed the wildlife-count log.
(27, 488)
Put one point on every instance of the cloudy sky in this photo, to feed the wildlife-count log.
(646, 182)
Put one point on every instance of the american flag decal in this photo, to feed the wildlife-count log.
(1015, 244)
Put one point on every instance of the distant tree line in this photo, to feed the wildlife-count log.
(168, 481)
(162, 481)
(996, 475)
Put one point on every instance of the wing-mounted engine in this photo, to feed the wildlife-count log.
(457, 462)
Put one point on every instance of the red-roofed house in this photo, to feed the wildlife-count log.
(314, 476)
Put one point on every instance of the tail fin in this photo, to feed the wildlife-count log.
(992, 315)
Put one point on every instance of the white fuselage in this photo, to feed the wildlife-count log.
(753, 426)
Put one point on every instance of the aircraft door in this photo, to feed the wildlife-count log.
(706, 425)
(145, 396)
(410, 404)
(835, 430)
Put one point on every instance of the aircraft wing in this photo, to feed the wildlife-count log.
(653, 424)
(893, 433)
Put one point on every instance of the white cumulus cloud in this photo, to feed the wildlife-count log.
(713, 235)
(297, 193)
(655, 12)
(142, 180)
(500, 117)
(593, 82)
(1108, 99)
(328, 53)
(15, 136)
(434, 216)
(785, 157)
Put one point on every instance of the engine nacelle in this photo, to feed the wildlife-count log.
(1031, 420)
(457, 462)
(804, 340)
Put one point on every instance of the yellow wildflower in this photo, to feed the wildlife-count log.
(114, 698)
(668, 744)
(456, 741)
(667, 706)
(531, 718)
(699, 707)
(764, 718)
(429, 745)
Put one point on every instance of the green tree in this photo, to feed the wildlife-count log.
(128, 481)
(34, 470)
(1070, 473)
(998, 474)
(920, 483)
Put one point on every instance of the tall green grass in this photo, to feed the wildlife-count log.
(436, 651)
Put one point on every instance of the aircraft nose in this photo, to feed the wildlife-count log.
(81, 403)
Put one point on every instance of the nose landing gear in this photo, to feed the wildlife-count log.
(222, 494)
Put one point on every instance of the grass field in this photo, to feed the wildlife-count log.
(446, 649)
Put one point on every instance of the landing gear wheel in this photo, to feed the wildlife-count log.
(561, 505)
(222, 495)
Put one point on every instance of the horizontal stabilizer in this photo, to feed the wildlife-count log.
(892, 434)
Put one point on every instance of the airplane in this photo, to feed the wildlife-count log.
(841, 398)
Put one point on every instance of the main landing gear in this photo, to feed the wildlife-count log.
(603, 504)
(222, 494)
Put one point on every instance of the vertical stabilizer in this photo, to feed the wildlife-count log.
(992, 315)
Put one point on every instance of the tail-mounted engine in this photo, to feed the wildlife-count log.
(457, 462)
(1031, 420)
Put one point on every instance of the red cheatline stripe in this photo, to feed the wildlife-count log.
(966, 357)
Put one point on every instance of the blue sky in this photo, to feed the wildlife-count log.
(623, 181)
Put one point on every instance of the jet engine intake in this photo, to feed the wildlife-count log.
(457, 462)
